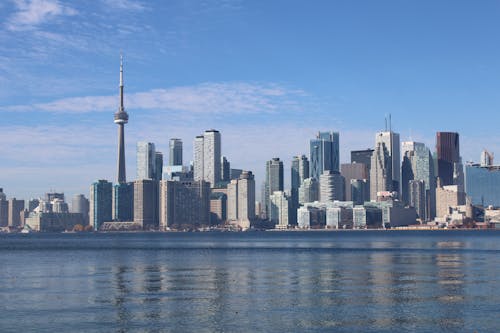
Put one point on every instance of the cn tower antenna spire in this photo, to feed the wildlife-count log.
(121, 118)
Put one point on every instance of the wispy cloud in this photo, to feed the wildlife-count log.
(32, 13)
(211, 98)
(125, 4)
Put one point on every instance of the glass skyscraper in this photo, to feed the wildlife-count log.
(418, 164)
(324, 153)
(482, 184)
(146, 160)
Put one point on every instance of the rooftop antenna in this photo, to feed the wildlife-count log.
(390, 124)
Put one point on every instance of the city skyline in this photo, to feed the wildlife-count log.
(342, 72)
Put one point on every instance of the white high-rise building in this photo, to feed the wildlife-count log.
(207, 157)
(331, 186)
(241, 199)
(279, 209)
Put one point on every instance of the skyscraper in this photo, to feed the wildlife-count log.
(184, 204)
(309, 191)
(380, 171)
(100, 203)
(207, 157)
(300, 171)
(121, 118)
(158, 165)
(418, 164)
(362, 156)
(175, 152)
(353, 171)
(280, 209)
(448, 153)
(324, 153)
(273, 182)
(391, 141)
(4, 209)
(146, 194)
(331, 186)
(225, 169)
(123, 202)
(241, 199)
(15, 209)
(146, 160)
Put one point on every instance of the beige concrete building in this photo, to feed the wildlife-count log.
(446, 197)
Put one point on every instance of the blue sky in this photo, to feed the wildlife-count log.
(267, 74)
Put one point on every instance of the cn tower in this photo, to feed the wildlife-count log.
(121, 118)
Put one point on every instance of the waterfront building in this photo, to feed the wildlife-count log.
(309, 191)
(4, 209)
(175, 152)
(273, 182)
(418, 164)
(146, 203)
(54, 222)
(14, 214)
(339, 217)
(218, 211)
(299, 172)
(232, 200)
(303, 218)
(482, 184)
(279, 209)
(241, 200)
(448, 153)
(353, 171)
(446, 197)
(123, 202)
(79, 205)
(331, 186)
(146, 160)
(390, 141)
(184, 204)
(324, 153)
(366, 217)
(380, 171)
(100, 203)
(207, 157)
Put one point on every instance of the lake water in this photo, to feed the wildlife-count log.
(351, 281)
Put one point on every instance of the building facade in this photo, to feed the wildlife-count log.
(448, 153)
(331, 186)
(324, 153)
(175, 152)
(273, 182)
(207, 157)
(146, 198)
(101, 205)
(184, 204)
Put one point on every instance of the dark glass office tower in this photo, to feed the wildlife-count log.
(448, 153)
